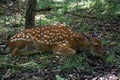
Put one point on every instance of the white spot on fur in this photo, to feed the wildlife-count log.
(41, 33)
(47, 42)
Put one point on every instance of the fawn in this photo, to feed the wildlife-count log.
(61, 40)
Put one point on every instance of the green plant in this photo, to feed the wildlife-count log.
(74, 61)
(85, 28)
(113, 59)
(59, 77)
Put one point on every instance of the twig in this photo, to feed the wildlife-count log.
(7, 74)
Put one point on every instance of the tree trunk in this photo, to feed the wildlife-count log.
(30, 14)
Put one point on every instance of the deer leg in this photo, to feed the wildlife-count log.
(37, 43)
(30, 52)
(64, 50)
(15, 52)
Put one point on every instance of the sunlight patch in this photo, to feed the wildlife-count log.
(37, 17)
(58, 0)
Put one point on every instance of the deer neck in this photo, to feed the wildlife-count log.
(84, 41)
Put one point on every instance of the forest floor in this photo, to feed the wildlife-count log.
(82, 66)
(79, 67)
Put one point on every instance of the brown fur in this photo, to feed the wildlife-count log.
(58, 39)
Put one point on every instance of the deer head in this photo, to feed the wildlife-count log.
(95, 45)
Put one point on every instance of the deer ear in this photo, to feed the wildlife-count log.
(94, 34)
(88, 35)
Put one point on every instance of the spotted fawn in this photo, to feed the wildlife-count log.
(61, 40)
